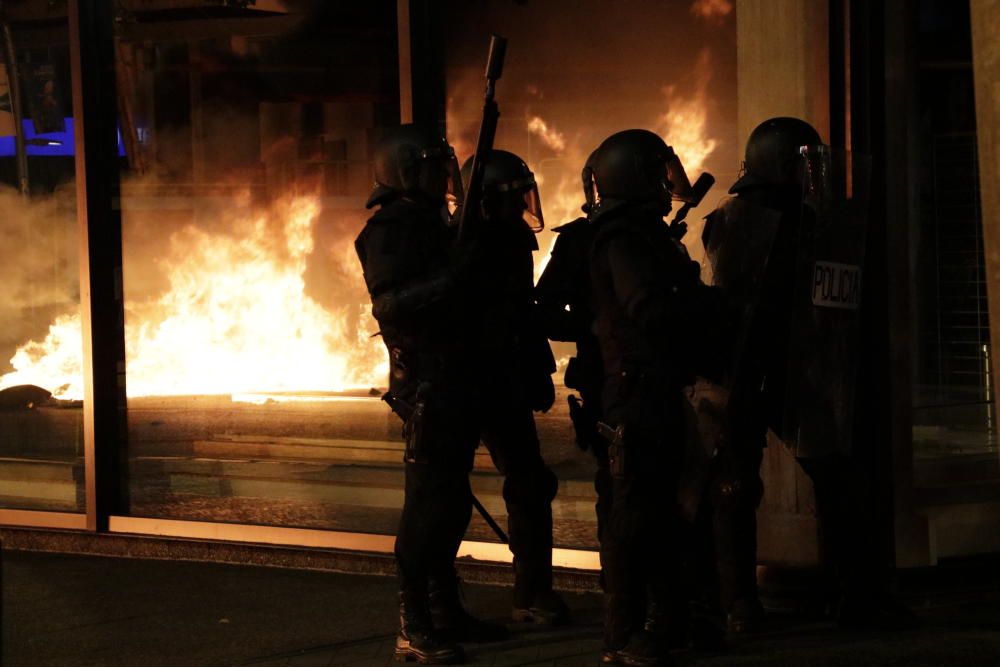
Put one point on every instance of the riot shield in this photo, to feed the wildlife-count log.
(738, 238)
(825, 316)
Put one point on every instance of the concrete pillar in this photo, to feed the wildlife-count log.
(783, 69)
(783, 66)
(985, 16)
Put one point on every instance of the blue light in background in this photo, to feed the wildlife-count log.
(66, 145)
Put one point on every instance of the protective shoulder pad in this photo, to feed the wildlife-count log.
(612, 229)
(571, 226)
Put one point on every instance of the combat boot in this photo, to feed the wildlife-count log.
(698, 630)
(417, 640)
(642, 650)
(546, 608)
(745, 616)
(453, 621)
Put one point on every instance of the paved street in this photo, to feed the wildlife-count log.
(93, 611)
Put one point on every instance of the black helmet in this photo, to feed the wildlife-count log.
(634, 165)
(505, 175)
(772, 155)
(414, 161)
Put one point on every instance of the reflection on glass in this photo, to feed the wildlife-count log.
(954, 420)
(41, 377)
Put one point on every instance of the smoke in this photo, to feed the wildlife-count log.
(39, 264)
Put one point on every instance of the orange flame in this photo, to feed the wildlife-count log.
(55, 363)
(684, 125)
(715, 11)
(236, 318)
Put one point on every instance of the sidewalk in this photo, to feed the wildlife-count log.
(89, 611)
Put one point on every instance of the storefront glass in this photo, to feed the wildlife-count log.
(253, 377)
(41, 348)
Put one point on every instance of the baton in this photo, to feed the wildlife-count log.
(404, 410)
(490, 520)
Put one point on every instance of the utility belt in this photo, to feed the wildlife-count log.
(615, 437)
(414, 416)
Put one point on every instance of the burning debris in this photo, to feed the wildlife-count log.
(715, 11)
(23, 397)
(55, 362)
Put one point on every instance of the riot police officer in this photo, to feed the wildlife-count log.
(769, 185)
(771, 188)
(646, 299)
(417, 289)
(515, 369)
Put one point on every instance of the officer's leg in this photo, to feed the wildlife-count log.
(418, 554)
(448, 514)
(643, 536)
(528, 490)
(621, 559)
(736, 493)
(622, 564)
(679, 547)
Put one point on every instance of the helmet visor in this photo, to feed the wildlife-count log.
(680, 186)
(528, 188)
(533, 209)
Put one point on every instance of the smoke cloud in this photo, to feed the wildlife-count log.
(39, 264)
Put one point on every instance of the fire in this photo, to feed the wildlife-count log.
(684, 124)
(236, 318)
(712, 10)
(54, 363)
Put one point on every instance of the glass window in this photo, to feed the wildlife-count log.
(41, 377)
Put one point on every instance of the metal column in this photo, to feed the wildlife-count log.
(99, 214)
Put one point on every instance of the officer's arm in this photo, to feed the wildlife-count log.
(641, 286)
(386, 253)
(396, 304)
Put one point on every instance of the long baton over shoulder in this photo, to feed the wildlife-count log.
(487, 133)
